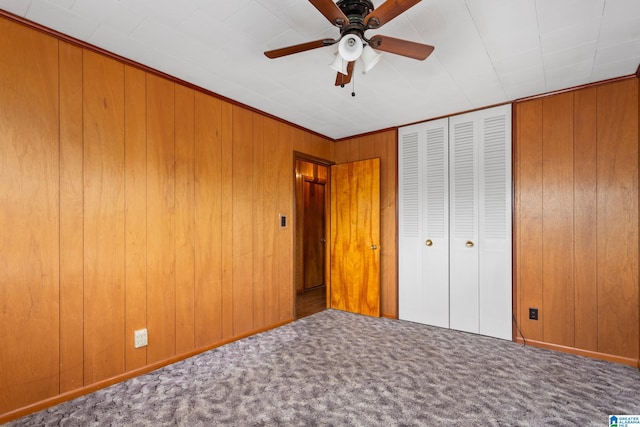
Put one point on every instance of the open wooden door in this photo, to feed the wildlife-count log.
(355, 237)
(313, 242)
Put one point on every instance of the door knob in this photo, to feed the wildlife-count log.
(374, 247)
(428, 242)
(469, 244)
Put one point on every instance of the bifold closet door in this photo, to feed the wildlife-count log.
(463, 174)
(495, 262)
(424, 223)
(480, 232)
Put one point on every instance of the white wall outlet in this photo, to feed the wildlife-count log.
(140, 338)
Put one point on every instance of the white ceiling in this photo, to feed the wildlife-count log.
(486, 52)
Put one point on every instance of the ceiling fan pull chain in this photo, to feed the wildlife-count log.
(353, 86)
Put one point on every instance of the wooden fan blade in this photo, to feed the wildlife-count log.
(387, 11)
(401, 47)
(277, 53)
(331, 11)
(343, 79)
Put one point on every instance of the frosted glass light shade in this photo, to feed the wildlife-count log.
(369, 58)
(339, 64)
(350, 47)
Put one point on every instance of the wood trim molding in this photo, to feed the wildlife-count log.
(361, 135)
(638, 71)
(587, 353)
(43, 404)
(126, 61)
(574, 88)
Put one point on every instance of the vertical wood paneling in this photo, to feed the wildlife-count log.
(353, 150)
(270, 189)
(590, 199)
(529, 215)
(557, 209)
(161, 287)
(71, 272)
(300, 140)
(135, 164)
(258, 222)
(242, 222)
(29, 274)
(208, 225)
(617, 223)
(228, 211)
(284, 260)
(586, 298)
(104, 258)
(367, 146)
(185, 257)
(142, 225)
(384, 147)
(321, 147)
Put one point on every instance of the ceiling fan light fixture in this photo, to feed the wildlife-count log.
(369, 58)
(350, 47)
(339, 64)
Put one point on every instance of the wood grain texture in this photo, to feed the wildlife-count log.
(259, 175)
(29, 253)
(301, 167)
(104, 258)
(585, 213)
(600, 315)
(135, 164)
(314, 232)
(384, 146)
(129, 184)
(242, 221)
(185, 220)
(271, 282)
(558, 292)
(284, 258)
(71, 233)
(226, 162)
(208, 221)
(617, 223)
(355, 228)
(161, 286)
(528, 167)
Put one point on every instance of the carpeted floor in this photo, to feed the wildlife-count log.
(340, 369)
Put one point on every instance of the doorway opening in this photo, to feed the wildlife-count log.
(311, 219)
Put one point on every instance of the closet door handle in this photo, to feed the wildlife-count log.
(374, 247)
(428, 242)
(469, 244)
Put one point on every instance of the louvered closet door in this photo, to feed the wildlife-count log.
(463, 174)
(495, 263)
(423, 223)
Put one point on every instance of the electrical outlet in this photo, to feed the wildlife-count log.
(533, 313)
(140, 338)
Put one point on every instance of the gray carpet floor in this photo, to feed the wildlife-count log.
(341, 369)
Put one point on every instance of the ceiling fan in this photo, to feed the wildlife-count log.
(354, 17)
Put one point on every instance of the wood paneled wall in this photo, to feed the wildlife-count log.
(130, 201)
(576, 220)
(382, 145)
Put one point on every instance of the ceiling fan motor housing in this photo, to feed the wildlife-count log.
(355, 11)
